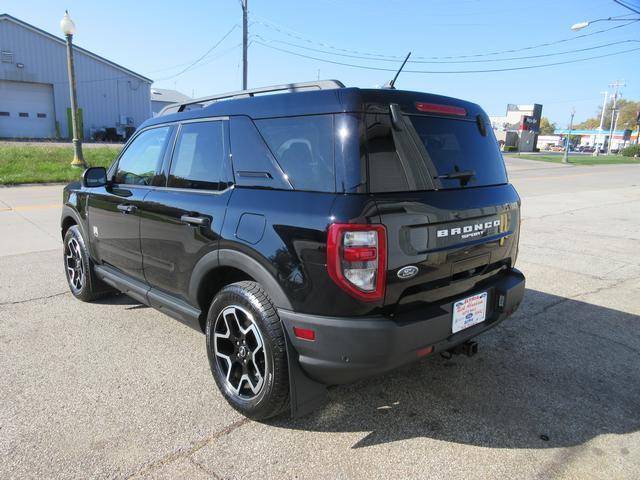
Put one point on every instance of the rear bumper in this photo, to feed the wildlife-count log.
(347, 349)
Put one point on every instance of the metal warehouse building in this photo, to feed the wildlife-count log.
(34, 89)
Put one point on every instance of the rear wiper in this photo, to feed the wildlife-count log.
(464, 175)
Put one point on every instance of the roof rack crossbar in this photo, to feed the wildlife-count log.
(301, 86)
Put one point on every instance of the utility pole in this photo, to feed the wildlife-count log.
(596, 152)
(565, 157)
(245, 37)
(617, 84)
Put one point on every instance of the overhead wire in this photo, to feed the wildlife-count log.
(506, 69)
(202, 57)
(283, 30)
(446, 61)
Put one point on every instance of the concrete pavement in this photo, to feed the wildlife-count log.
(115, 390)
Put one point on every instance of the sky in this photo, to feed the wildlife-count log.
(162, 39)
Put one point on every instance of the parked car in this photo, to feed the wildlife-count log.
(315, 237)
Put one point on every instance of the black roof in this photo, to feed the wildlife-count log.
(315, 102)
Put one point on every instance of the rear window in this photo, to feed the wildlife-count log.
(458, 145)
(431, 147)
(303, 147)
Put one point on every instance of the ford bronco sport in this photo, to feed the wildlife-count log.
(315, 236)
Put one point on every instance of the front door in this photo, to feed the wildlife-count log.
(182, 222)
(114, 211)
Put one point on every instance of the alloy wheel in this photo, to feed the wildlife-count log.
(240, 352)
(73, 264)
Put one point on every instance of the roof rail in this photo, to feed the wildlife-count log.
(292, 87)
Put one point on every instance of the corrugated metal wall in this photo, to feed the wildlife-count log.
(107, 95)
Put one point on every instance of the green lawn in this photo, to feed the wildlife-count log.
(579, 159)
(47, 163)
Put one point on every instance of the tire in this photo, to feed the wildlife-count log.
(247, 351)
(78, 268)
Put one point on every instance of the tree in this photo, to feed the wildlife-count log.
(627, 118)
(546, 127)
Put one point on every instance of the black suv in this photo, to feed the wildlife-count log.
(316, 236)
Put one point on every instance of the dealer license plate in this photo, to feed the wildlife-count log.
(469, 312)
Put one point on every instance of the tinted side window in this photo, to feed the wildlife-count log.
(198, 157)
(303, 146)
(139, 162)
(253, 163)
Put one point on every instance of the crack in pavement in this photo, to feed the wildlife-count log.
(199, 466)
(612, 340)
(35, 299)
(546, 308)
(196, 446)
(47, 233)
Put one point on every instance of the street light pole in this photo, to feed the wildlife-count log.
(565, 157)
(69, 28)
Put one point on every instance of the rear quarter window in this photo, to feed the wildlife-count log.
(303, 147)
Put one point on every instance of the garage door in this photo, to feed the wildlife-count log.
(26, 110)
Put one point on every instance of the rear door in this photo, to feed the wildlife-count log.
(114, 211)
(182, 220)
(442, 192)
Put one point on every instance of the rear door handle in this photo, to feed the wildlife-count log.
(127, 208)
(195, 220)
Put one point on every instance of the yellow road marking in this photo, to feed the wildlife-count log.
(23, 208)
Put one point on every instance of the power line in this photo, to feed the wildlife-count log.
(446, 61)
(192, 64)
(297, 36)
(382, 69)
(125, 77)
(624, 4)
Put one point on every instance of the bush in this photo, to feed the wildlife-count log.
(631, 151)
(510, 148)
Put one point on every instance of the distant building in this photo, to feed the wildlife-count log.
(547, 141)
(519, 127)
(620, 138)
(34, 89)
(161, 97)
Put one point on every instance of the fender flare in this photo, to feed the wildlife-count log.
(68, 211)
(244, 263)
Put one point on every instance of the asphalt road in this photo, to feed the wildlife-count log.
(116, 390)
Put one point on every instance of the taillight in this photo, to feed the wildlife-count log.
(357, 259)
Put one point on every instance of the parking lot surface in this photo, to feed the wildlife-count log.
(117, 390)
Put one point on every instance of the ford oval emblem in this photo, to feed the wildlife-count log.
(407, 272)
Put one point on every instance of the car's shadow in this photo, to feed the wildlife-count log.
(558, 373)
(121, 299)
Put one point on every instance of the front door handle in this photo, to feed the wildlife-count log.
(127, 208)
(195, 220)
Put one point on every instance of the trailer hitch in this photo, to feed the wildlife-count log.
(468, 348)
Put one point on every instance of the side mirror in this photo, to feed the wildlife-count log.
(94, 177)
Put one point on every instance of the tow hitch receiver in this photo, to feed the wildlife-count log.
(468, 348)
